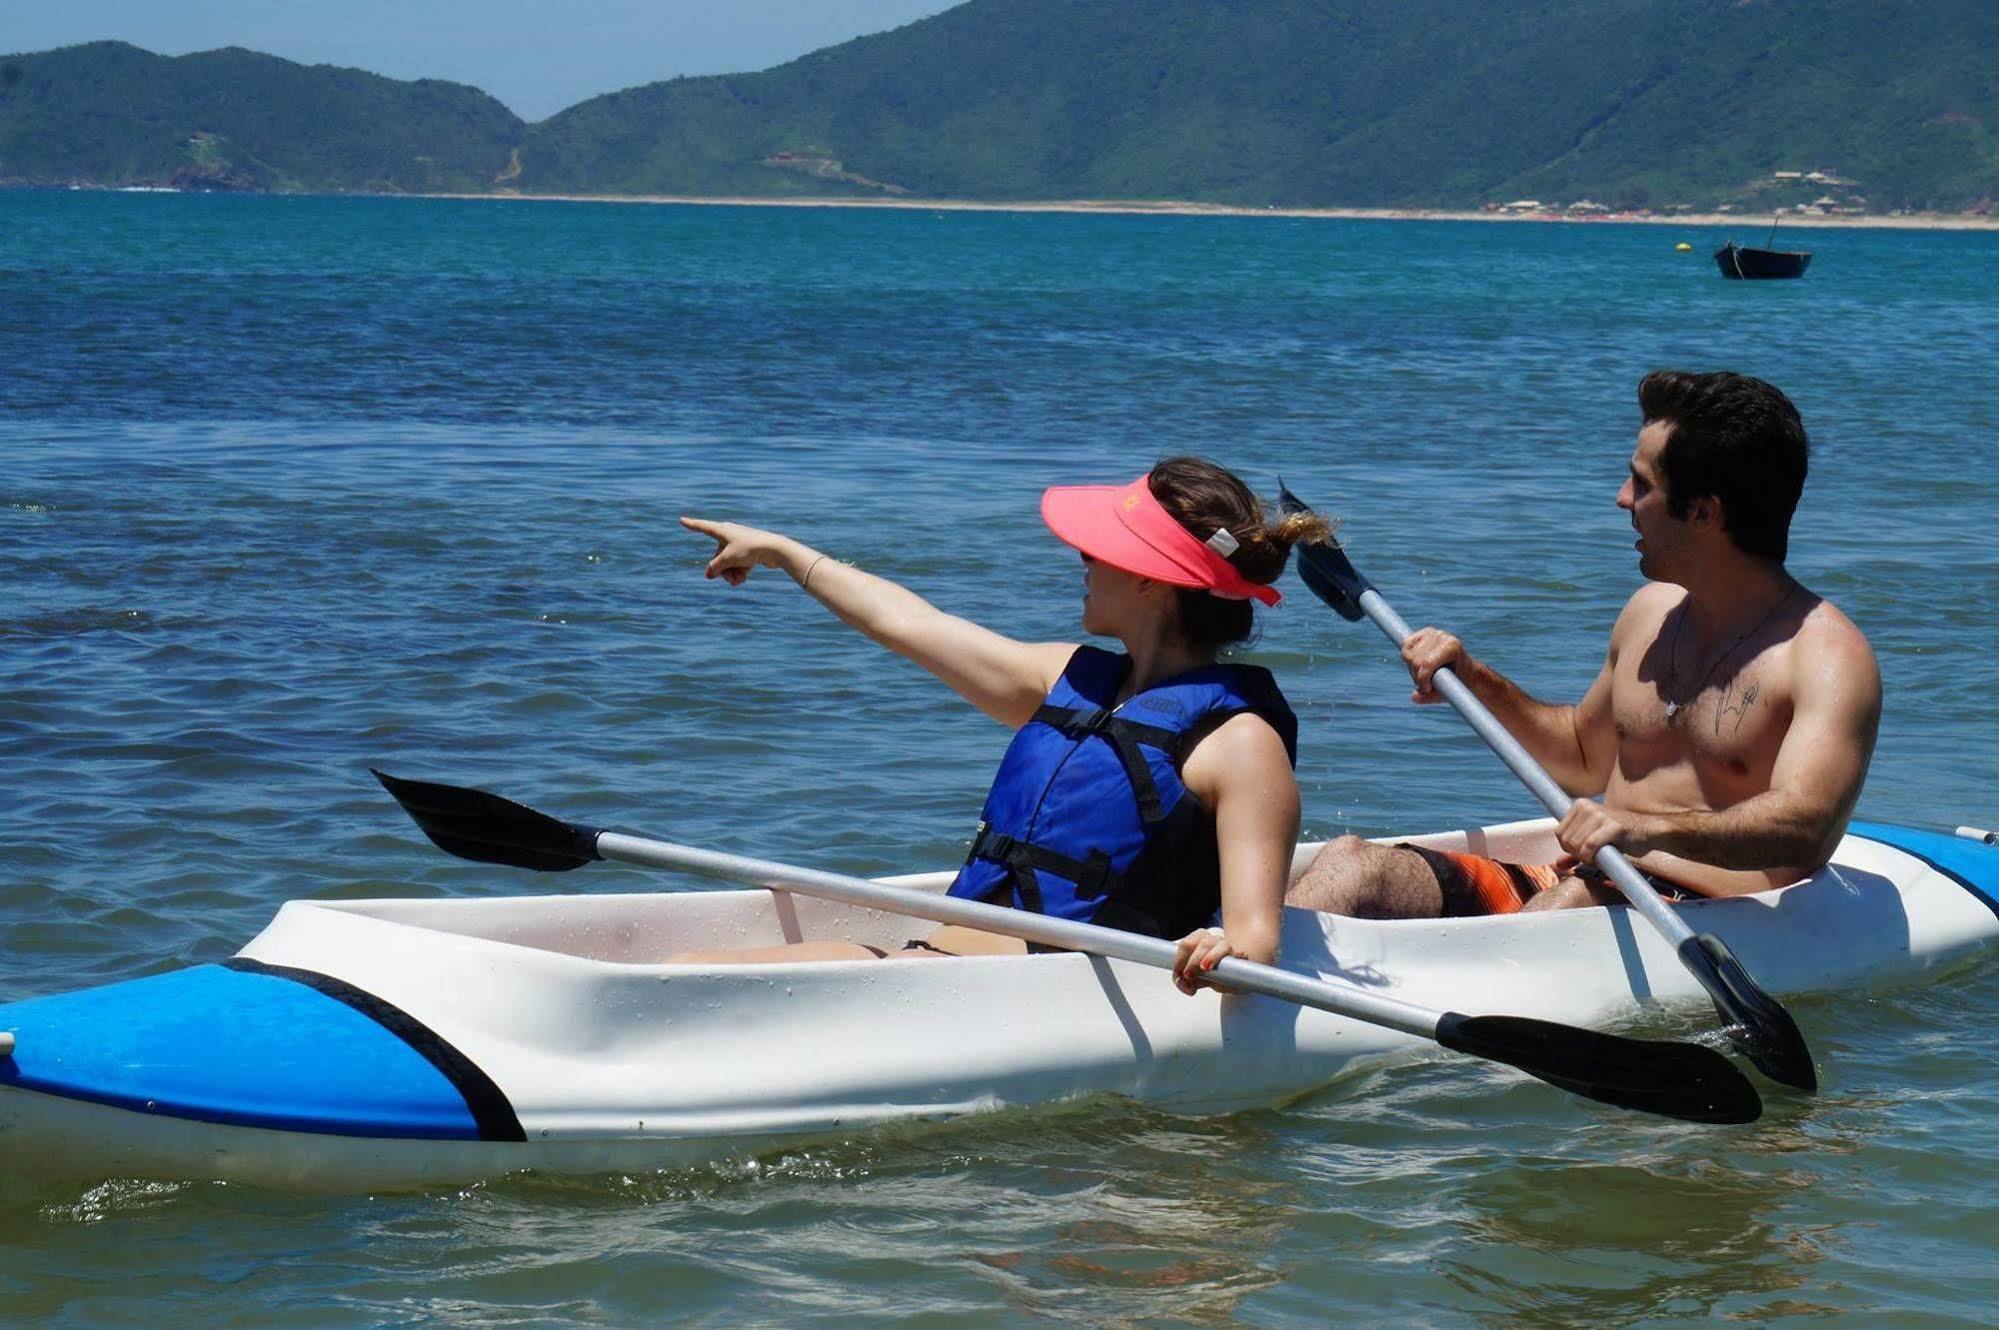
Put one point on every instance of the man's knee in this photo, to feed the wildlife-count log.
(1349, 875)
(1339, 858)
(1342, 849)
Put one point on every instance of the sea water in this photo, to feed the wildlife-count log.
(290, 487)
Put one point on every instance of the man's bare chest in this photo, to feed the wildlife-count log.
(1730, 728)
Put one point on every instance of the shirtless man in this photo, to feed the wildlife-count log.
(1731, 725)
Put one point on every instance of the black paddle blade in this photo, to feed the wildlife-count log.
(1758, 1025)
(473, 824)
(1682, 1081)
(1325, 568)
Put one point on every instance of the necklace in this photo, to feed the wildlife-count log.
(1674, 705)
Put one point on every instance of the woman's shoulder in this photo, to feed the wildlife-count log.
(1207, 700)
(1254, 688)
(1244, 749)
(1258, 684)
(1086, 670)
(1266, 702)
(1087, 658)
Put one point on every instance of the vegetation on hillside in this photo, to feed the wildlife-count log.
(1339, 102)
(1633, 103)
(108, 113)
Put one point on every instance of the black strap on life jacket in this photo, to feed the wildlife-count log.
(1092, 876)
(1171, 862)
(1124, 737)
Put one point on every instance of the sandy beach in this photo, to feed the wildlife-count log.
(1914, 221)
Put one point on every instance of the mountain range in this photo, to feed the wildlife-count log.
(1329, 103)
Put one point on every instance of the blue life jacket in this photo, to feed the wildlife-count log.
(1088, 819)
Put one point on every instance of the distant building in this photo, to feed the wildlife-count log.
(1787, 175)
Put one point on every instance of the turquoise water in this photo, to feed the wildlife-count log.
(297, 486)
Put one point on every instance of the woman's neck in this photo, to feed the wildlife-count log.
(1160, 655)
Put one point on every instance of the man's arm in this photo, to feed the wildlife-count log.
(1814, 784)
(1576, 744)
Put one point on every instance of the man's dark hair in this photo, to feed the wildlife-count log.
(1738, 439)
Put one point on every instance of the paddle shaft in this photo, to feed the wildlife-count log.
(1678, 1080)
(1552, 796)
(1242, 975)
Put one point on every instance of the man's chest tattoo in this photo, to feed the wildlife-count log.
(1734, 704)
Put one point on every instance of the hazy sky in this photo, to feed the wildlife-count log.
(537, 56)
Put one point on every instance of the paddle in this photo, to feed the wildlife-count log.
(1757, 1024)
(1675, 1080)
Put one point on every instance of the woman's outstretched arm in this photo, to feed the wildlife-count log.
(1001, 677)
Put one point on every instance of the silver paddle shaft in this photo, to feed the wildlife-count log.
(1552, 796)
(1246, 976)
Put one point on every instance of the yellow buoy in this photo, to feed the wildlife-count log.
(1684, 248)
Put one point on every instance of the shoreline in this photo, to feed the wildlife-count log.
(1744, 221)
(1929, 221)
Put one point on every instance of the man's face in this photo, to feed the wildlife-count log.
(1662, 538)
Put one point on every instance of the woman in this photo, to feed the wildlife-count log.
(1144, 789)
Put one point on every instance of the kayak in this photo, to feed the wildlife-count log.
(397, 1043)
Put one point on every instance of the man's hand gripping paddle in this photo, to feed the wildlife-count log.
(1757, 1024)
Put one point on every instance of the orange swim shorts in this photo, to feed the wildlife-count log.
(1473, 884)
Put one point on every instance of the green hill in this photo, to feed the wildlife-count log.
(112, 114)
(1332, 102)
(1288, 102)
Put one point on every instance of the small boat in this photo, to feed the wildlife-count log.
(1741, 261)
(374, 1044)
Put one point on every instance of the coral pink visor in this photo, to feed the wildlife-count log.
(1125, 527)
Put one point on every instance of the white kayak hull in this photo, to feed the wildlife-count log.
(397, 1043)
